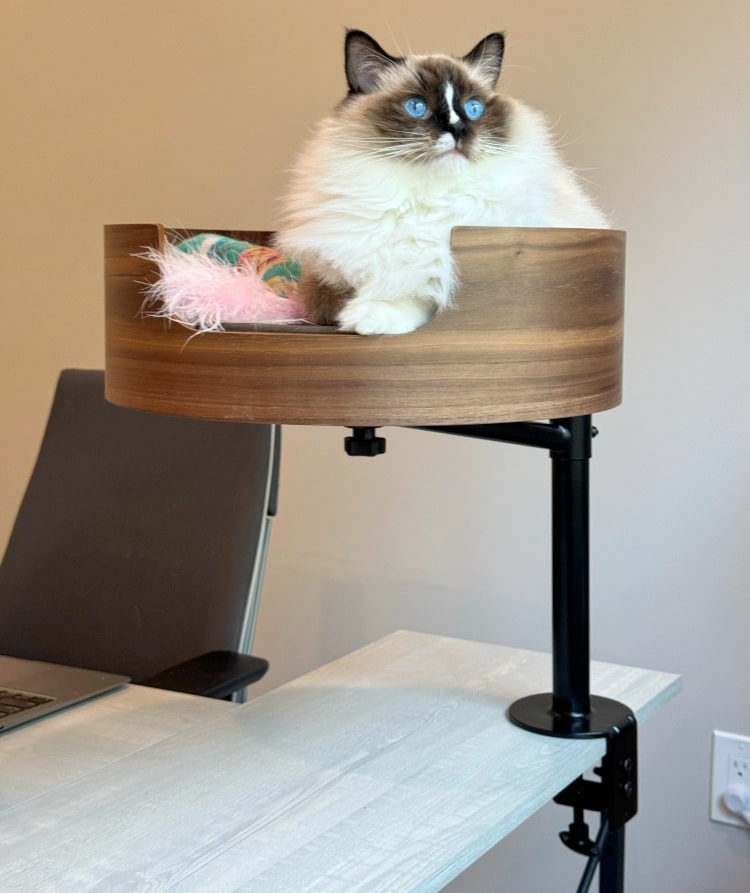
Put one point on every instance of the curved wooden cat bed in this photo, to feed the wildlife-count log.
(536, 333)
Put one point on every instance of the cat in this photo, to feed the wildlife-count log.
(419, 145)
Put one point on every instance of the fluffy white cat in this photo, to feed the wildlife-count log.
(419, 145)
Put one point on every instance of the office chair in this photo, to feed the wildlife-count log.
(140, 543)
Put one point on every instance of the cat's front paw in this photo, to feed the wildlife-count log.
(385, 317)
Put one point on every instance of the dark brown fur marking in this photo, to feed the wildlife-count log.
(322, 300)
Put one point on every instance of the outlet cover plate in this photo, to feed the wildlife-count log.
(730, 764)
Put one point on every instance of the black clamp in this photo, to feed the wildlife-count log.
(615, 797)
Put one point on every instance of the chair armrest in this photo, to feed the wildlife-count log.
(216, 674)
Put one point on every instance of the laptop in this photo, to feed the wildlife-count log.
(31, 688)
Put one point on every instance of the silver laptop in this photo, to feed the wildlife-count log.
(30, 688)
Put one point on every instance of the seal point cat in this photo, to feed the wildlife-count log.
(420, 144)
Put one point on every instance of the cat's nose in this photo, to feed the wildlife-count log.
(457, 128)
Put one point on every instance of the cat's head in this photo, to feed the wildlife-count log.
(425, 109)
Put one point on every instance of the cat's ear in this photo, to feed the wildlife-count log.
(487, 57)
(365, 62)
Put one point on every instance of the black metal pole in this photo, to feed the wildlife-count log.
(570, 572)
(568, 710)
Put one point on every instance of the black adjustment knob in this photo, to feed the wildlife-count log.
(364, 442)
(577, 839)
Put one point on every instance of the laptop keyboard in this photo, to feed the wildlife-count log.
(12, 701)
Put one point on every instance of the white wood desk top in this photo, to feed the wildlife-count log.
(389, 770)
(61, 748)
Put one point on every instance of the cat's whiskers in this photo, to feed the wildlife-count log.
(391, 147)
(511, 152)
(414, 153)
(419, 149)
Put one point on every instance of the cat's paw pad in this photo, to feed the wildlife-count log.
(384, 317)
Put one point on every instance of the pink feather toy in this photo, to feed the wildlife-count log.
(209, 280)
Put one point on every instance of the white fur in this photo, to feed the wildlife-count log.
(449, 94)
(382, 224)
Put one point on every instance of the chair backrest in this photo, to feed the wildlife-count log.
(141, 539)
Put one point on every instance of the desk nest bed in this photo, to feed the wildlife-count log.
(536, 333)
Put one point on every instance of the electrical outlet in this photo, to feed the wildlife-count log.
(730, 779)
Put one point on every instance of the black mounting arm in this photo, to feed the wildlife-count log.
(570, 710)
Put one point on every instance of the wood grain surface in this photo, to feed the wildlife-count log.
(535, 333)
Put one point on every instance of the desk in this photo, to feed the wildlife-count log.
(392, 769)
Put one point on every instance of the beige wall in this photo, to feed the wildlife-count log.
(189, 112)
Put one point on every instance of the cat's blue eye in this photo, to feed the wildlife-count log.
(474, 109)
(416, 107)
